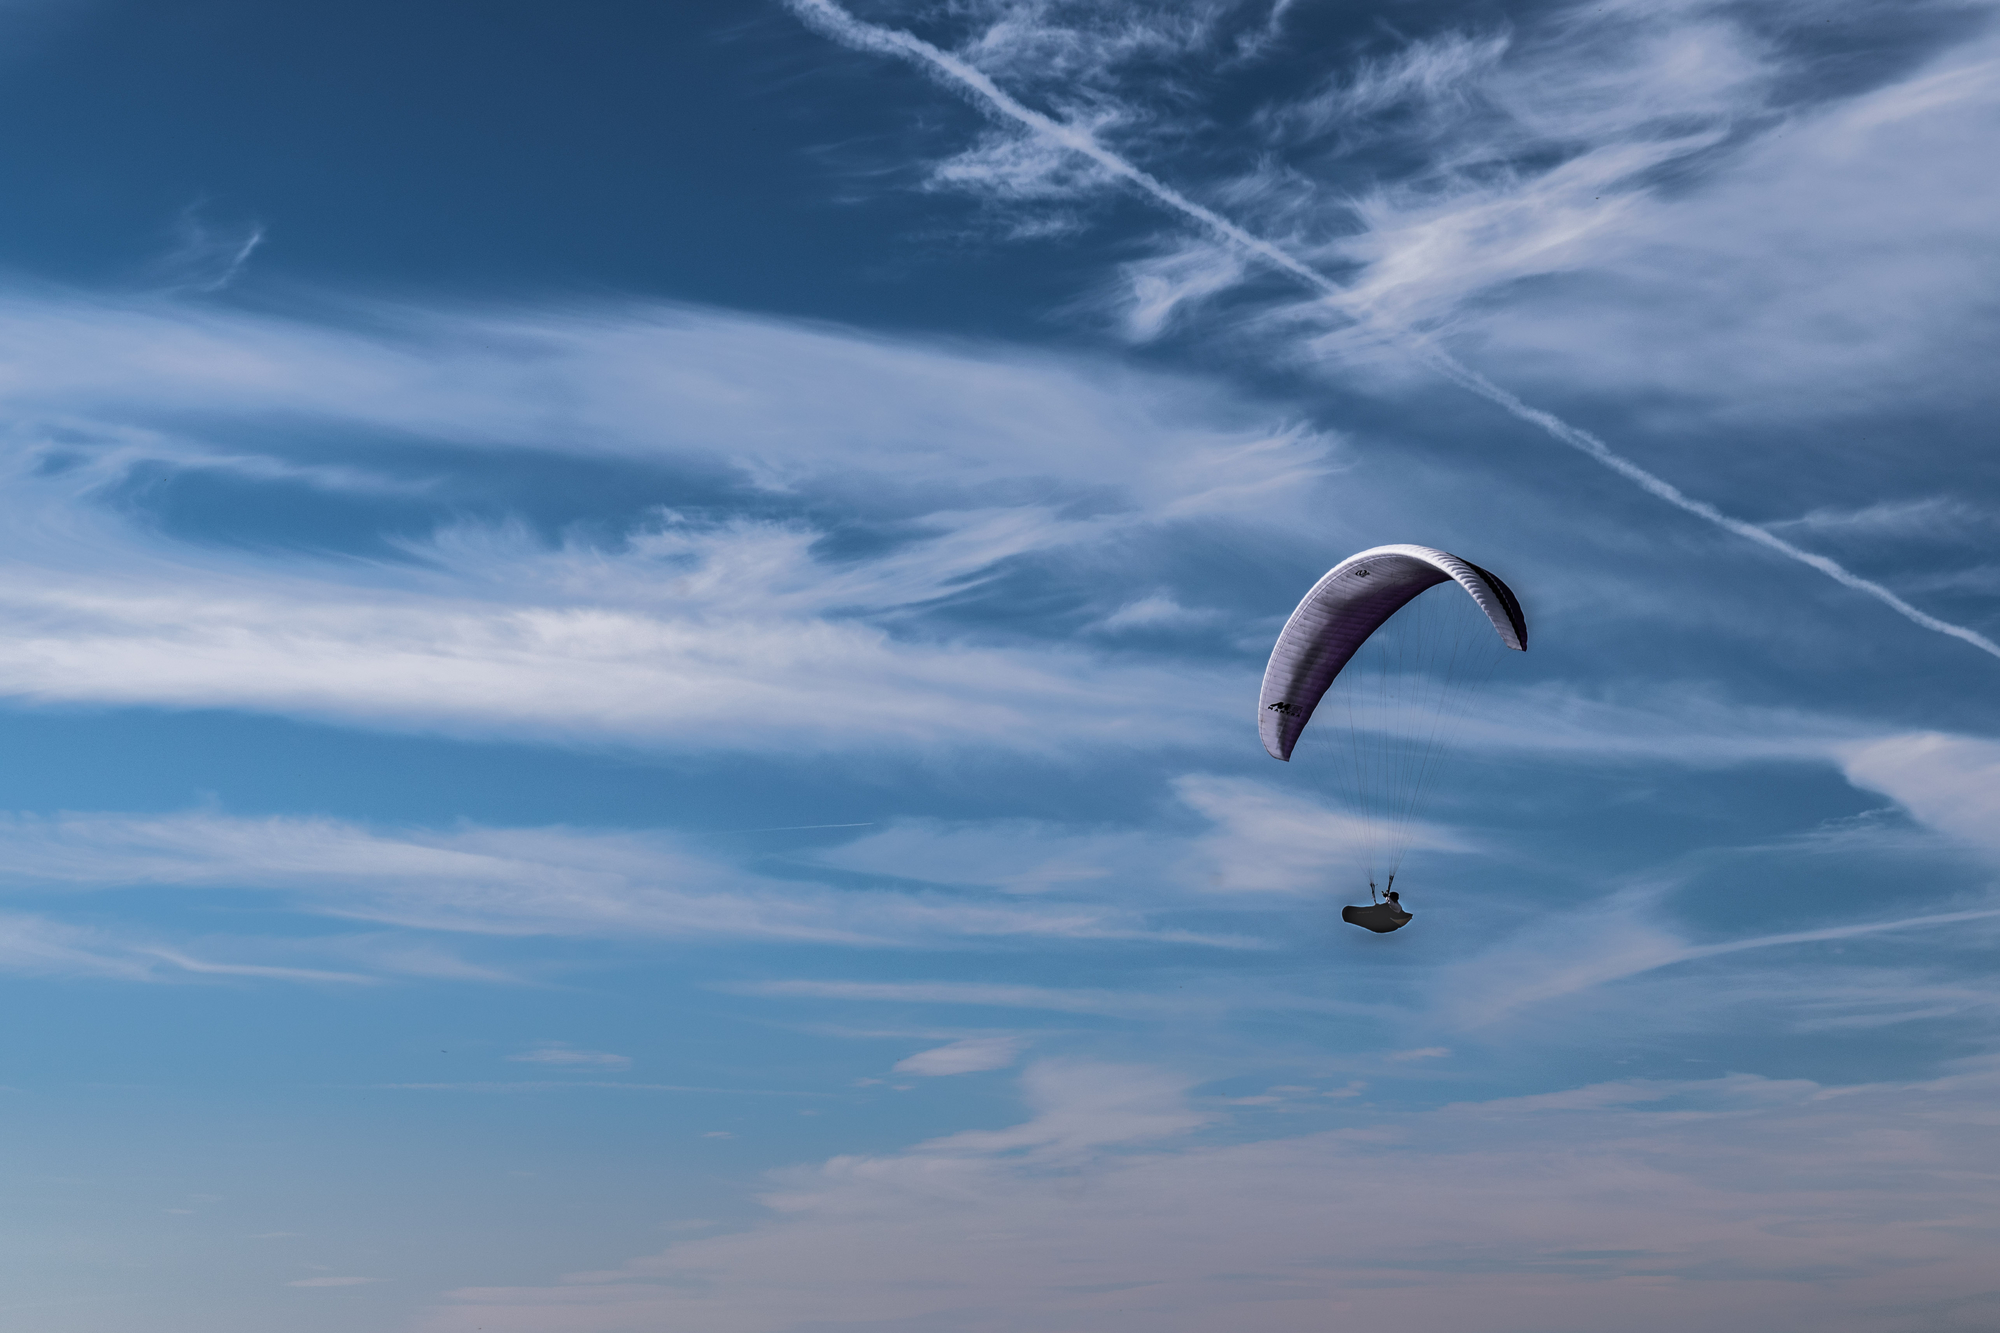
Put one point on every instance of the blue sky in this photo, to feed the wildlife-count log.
(631, 638)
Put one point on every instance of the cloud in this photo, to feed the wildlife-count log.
(1684, 723)
(37, 946)
(1950, 783)
(1272, 841)
(1156, 612)
(1675, 99)
(934, 423)
(744, 629)
(1170, 285)
(972, 1055)
(1004, 996)
(1934, 518)
(565, 1056)
(1670, 969)
(1015, 855)
(572, 1085)
(1716, 296)
(744, 677)
(498, 883)
(1525, 147)
(1736, 1202)
(448, 904)
(1262, 838)
(205, 257)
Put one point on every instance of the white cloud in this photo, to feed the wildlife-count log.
(38, 946)
(723, 669)
(1263, 845)
(1950, 783)
(1019, 856)
(972, 1055)
(1936, 518)
(1285, 837)
(1171, 284)
(1612, 133)
(1004, 996)
(1435, 76)
(1272, 841)
(1681, 722)
(1718, 295)
(738, 633)
(1672, 971)
(34, 945)
(790, 403)
(565, 1056)
(1158, 611)
(1737, 1202)
(207, 257)
(515, 883)
(1527, 143)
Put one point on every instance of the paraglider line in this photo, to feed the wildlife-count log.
(843, 27)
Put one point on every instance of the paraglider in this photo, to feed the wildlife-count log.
(1380, 917)
(1406, 666)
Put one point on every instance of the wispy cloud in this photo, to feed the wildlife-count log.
(971, 1055)
(569, 1085)
(34, 945)
(1365, 305)
(689, 625)
(564, 1056)
(1109, 1207)
(1951, 783)
(206, 256)
(1937, 517)
(1625, 937)
(935, 426)
(47, 946)
(1000, 996)
(504, 883)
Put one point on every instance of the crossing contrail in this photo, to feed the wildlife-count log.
(837, 23)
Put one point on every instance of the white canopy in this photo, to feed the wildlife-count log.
(1346, 606)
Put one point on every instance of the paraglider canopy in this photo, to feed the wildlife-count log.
(1347, 606)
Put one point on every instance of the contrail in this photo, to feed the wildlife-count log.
(844, 27)
(1582, 440)
(1834, 933)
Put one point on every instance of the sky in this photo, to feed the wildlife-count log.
(630, 633)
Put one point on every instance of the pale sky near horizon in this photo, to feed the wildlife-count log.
(630, 639)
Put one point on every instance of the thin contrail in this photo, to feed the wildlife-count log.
(1835, 933)
(844, 27)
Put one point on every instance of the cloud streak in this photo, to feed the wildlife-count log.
(843, 26)
(738, 620)
(508, 884)
(1111, 1208)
